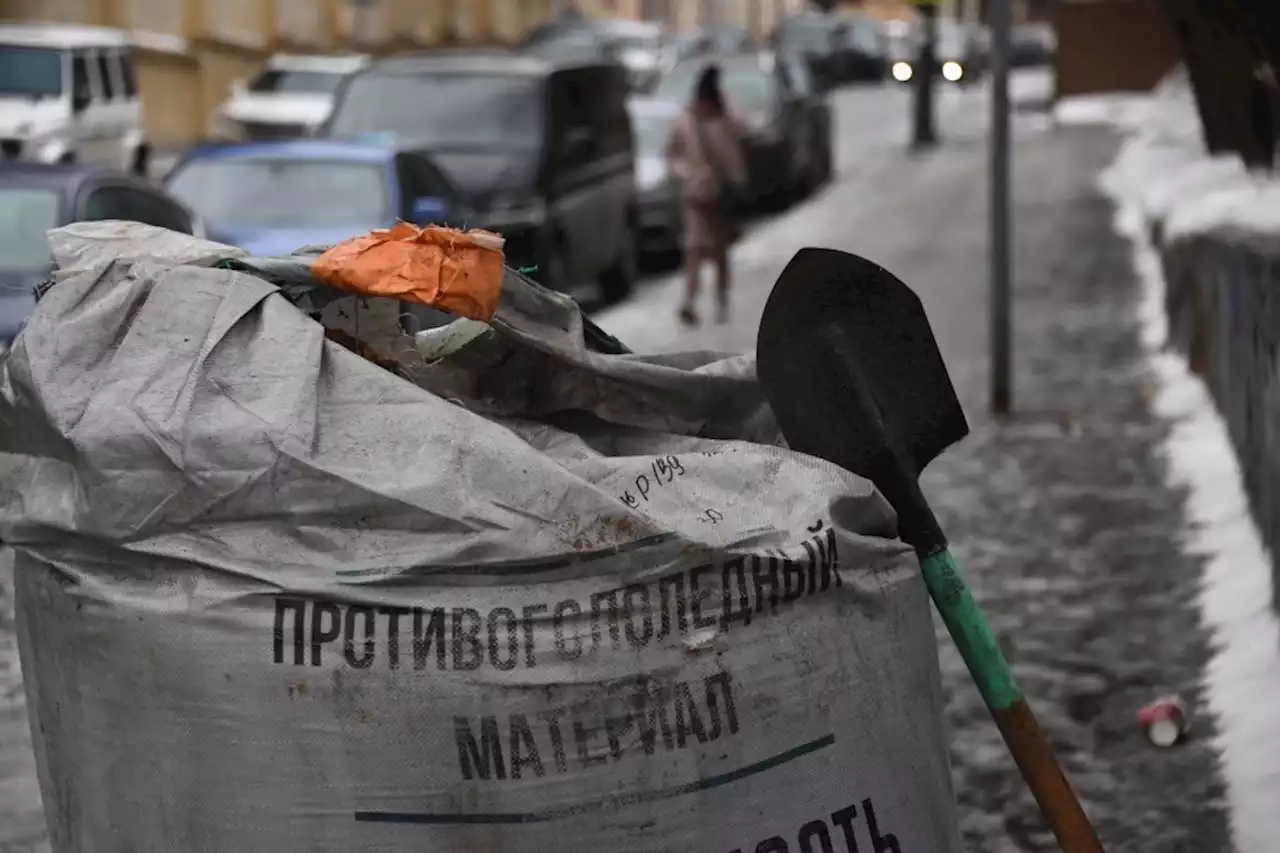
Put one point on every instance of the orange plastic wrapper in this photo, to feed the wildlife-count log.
(455, 271)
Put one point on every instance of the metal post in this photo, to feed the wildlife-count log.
(1001, 333)
(924, 132)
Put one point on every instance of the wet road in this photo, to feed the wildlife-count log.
(1060, 516)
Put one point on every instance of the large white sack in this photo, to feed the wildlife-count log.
(274, 598)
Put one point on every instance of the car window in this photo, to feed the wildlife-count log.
(440, 110)
(26, 213)
(106, 76)
(748, 88)
(134, 204)
(82, 87)
(279, 80)
(275, 192)
(32, 72)
(128, 81)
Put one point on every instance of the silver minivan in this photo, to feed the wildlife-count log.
(69, 94)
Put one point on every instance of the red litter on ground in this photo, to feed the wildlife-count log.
(1165, 721)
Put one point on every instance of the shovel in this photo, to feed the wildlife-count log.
(851, 369)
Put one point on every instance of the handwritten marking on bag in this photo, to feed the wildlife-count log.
(725, 593)
(841, 836)
(613, 801)
(560, 740)
(664, 471)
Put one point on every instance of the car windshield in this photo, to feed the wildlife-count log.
(445, 110)
(651, 130)
(274, 192)
(746, 86)
(32, 71)
(26, 213)
(282, 81)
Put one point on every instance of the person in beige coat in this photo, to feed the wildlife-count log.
(705, 155)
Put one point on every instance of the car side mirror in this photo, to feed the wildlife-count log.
(428, 209)
(80, 102)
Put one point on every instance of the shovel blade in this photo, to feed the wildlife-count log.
(849, 363)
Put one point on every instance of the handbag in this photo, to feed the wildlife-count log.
(733, 201)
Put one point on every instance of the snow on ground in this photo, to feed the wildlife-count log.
(1163, 172)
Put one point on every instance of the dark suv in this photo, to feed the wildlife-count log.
(541, 152)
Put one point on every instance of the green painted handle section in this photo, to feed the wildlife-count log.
(970, 631)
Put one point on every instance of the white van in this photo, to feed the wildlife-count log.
(289, 98)
(69, 94)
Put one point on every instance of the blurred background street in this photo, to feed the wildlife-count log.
(270, 126)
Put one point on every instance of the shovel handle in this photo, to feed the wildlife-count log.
(1031, 751)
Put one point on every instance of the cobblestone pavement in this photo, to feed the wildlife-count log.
(1060, 515)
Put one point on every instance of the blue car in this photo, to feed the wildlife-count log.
(271, 198)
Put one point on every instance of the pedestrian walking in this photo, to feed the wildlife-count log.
(706, 158)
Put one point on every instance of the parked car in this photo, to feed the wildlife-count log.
(35, 197)
(863, 54)
(659, 201)
(1032, 45)
(729, 39)
(961, 51)
(69, 94)
(271, 198)
(639, 46)
(773, 116)
(289, 98)
(819, 120)
(541, 151)
(816, 37)
(684, 46)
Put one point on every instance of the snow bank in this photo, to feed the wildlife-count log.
(1162, 176)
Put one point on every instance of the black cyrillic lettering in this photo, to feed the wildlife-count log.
(772, 845)
(724, 682)
(793, 574)
(326, 626)
(635, 599)
(528, 620)
(830, 560)
(481, 759)
(696, 596)
(586, 753)
(614, 729)
(558, 620)
(651, 715)
(734, 574)
(887, 843)
(815, 832)
(426, 634)
(496, 636)
(764, 571)
(393, 615)
(676, 581)
(612, 615)
(552, 719)
(349, 636)
(688, 720)
(844, 819)
(299, 609)
(524, 749)
(468, 652)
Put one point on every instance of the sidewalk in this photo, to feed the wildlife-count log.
(1061, 517)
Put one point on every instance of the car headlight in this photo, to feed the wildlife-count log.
(902, 71)
(952, 71)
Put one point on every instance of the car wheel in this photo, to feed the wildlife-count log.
(618, 279)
